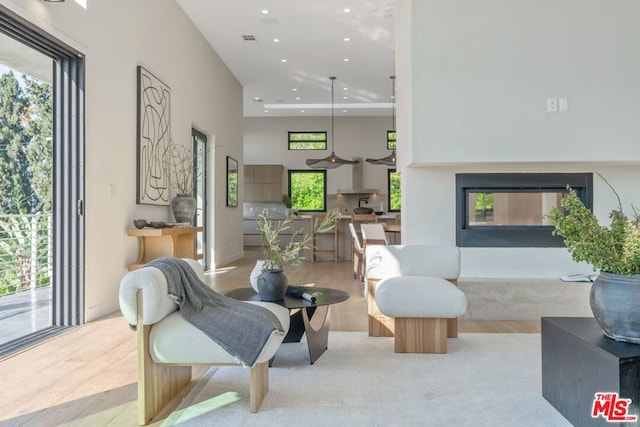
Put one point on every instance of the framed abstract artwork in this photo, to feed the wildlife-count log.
(154, 140)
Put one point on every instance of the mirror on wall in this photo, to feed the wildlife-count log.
(232, 182)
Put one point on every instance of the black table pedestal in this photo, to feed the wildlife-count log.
(578, 361)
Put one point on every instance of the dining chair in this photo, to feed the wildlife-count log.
(373, 234)
(364, 218)
(357, 254)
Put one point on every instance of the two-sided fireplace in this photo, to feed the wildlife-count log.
(508, 209)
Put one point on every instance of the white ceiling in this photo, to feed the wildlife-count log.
(311, 37)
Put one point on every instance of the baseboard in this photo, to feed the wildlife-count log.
(226, 260)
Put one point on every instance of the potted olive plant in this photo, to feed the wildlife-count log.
(182, 178)
(283, 241)
(614, 250)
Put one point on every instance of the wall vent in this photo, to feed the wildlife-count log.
(249, 38)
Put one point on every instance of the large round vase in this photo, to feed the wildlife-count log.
(272, 285)
(253, 276)
(184, 208)
(615, 303)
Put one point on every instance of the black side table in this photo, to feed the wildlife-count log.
(578, 361)
(301, 312)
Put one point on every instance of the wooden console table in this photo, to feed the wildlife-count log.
(179, 242)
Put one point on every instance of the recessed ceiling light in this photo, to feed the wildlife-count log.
(347, 10)
(345, 88)
(347, 39)
(297, 98)
(265, 11)
(266, 111)
(346, 59)
(256, 99)
(283, 60)
(345, 97)
(276, 40)
(294, 89)
(344, 111)
(302, 111)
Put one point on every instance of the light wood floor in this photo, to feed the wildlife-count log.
(87, 377)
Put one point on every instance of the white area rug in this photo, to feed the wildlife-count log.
(484, 380)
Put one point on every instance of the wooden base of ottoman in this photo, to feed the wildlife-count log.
(420, 335)
(379, 324)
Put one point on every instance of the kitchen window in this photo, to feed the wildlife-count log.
(308, 190)
(307, 140)
(393, 190)
(391, 140)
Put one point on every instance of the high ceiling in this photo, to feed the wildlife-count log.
(310, 36)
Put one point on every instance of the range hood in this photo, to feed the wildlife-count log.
(356, 181)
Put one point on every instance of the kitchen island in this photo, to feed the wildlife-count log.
(252, 237)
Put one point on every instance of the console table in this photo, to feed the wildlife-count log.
(179, 242)
(578, 361)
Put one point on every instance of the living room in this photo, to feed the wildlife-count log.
(473, 80)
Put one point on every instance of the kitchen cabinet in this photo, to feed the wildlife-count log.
(264, 183)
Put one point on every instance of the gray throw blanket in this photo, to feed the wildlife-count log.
(241, 329)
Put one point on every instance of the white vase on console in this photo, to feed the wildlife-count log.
(253, 277)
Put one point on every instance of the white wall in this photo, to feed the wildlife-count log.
(265, 142)
(116, 36)
(473, 80)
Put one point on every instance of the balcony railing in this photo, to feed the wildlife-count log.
(25, 252)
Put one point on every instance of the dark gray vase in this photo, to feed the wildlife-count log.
(184, 208)
(615, 303)
(272, 285)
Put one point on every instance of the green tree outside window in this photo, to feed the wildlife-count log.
(394, 190)
(308, 190)
(391, 140)
(307, 140)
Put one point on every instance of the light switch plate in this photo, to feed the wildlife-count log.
(563, 104)
(552, 105)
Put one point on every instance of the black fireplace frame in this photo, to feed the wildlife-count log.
(514, 236)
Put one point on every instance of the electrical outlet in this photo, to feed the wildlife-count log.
(552, 105)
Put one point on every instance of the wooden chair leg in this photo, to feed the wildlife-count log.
(380, 325)
(259, 385)
(452, 327)
(157, 383)
(420, 335)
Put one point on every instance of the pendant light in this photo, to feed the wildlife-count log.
(332, 161)
(390, 160)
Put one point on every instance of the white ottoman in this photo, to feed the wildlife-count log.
(425, 311)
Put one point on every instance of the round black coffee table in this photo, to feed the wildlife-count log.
(302, 313)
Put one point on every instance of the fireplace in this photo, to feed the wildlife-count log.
(508, 209)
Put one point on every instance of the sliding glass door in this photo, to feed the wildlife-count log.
(41, 184)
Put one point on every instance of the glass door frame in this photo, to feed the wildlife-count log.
(200, 159)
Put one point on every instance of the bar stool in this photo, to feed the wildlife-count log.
(317, 236)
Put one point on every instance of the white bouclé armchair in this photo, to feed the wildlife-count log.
(412, 295)
(168, 345)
